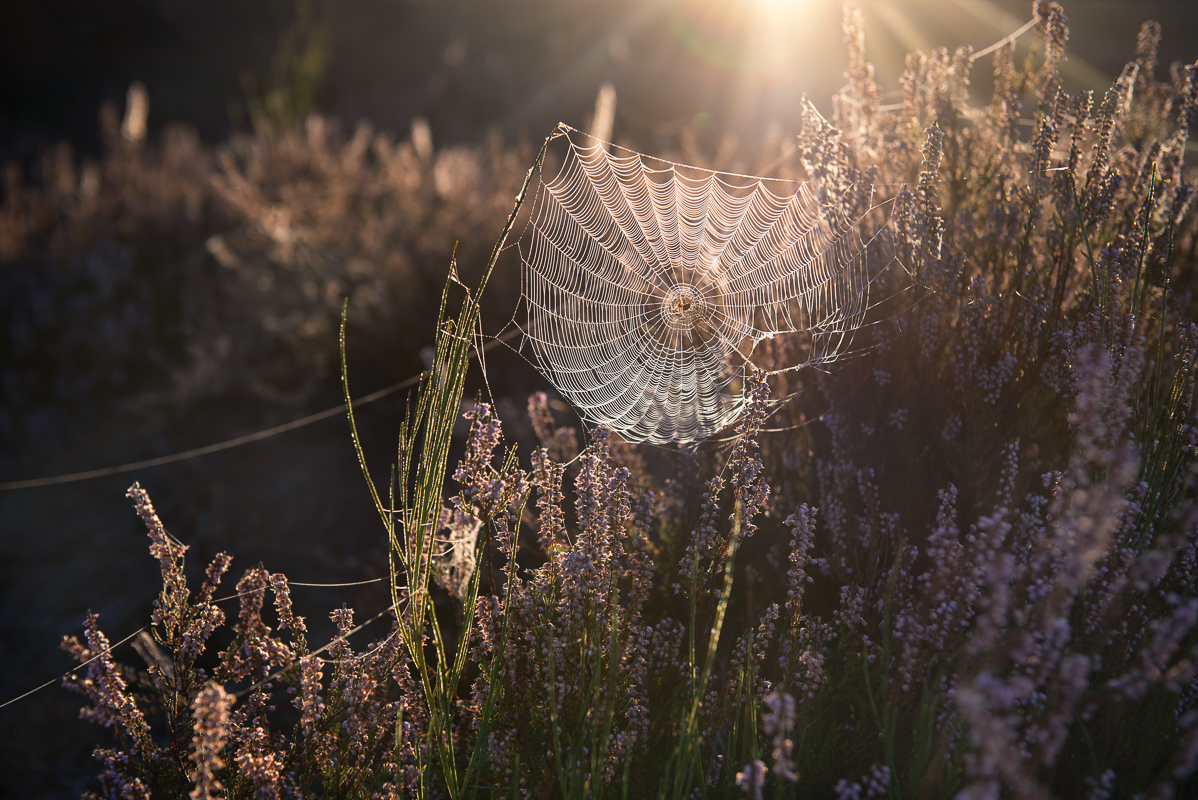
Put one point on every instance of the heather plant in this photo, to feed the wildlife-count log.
(170, 273)
(961, 564)
(100, 285)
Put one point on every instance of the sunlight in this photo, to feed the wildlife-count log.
(766, 51)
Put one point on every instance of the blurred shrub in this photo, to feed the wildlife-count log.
(171, 272)
(102, 279)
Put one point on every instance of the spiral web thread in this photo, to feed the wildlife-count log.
(648, 284)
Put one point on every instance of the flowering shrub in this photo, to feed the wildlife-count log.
(170, 273)
(964, 564)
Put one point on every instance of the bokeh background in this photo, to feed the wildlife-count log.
(149, 308)
(520, 65)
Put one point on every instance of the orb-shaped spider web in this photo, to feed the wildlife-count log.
(648, 285)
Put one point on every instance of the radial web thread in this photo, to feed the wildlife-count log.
(647, 285)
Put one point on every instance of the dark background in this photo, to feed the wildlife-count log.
(519, 64)
(297, 502)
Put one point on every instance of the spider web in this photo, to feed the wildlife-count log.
(648, 285)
